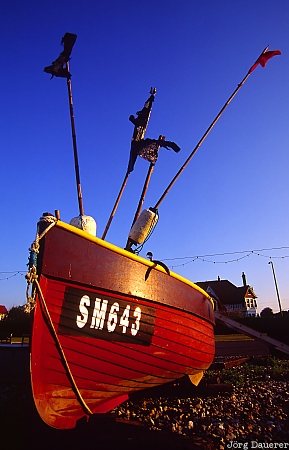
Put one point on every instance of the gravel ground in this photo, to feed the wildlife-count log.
(257, 411)
(251, 405)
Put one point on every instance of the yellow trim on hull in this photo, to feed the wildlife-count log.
(128, 254)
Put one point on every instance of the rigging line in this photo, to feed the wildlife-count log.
(194, 258)
(225, 253)
(271, 257)
(14, 274)
(184, 264)
(215, 262)
(7, 278)
(14, 271)
(226, 262)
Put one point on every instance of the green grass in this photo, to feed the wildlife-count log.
(256, 369)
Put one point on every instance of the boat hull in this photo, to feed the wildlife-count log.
(108, 323)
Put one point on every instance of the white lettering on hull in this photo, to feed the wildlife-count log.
(107, 318)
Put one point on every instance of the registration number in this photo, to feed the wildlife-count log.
(109, 317)
(97, 315)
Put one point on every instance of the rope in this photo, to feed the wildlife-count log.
(32, 279)
(75, 389)
(52, 223)
(31, 275)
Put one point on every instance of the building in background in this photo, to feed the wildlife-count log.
(3, 312)
(236, 301)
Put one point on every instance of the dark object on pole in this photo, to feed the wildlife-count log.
(60, 68)
(264, 56)
(145, 148)
(153, 159)
(140, 125)
(276, 287)
(148, 149)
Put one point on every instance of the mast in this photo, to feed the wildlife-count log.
(75, 151)
(148, 149)
(144, 191)
(140, 126)
(60, 68)
(262, 60)
(146, 221)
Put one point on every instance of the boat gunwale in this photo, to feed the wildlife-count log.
(130, 255)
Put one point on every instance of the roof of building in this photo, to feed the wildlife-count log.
(3, 309)
(226, 292)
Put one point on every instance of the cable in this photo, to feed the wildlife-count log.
(228, 253)
(14, 274)
(202, 258)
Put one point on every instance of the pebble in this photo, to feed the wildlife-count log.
(258, 410)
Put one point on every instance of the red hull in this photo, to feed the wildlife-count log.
(118, 327)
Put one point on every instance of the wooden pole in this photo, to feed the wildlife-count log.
(140, 126)
(76, 164)
(276, 287)
(262, 60)
(144, 191)
(141, 200)
(143, 194)
(200, 142)
(115, 205)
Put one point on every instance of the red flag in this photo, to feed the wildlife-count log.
(264, 58)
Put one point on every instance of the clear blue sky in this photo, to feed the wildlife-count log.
(233, 197)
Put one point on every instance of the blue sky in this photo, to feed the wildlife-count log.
(233, 197)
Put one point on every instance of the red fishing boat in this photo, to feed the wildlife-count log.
(108, 323)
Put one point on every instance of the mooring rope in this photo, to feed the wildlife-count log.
(32, 279)
(53, 332)
(31, 275)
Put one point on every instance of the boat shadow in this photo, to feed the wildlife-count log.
(23, 428)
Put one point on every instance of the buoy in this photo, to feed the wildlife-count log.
(143, 226)
(85, 223)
